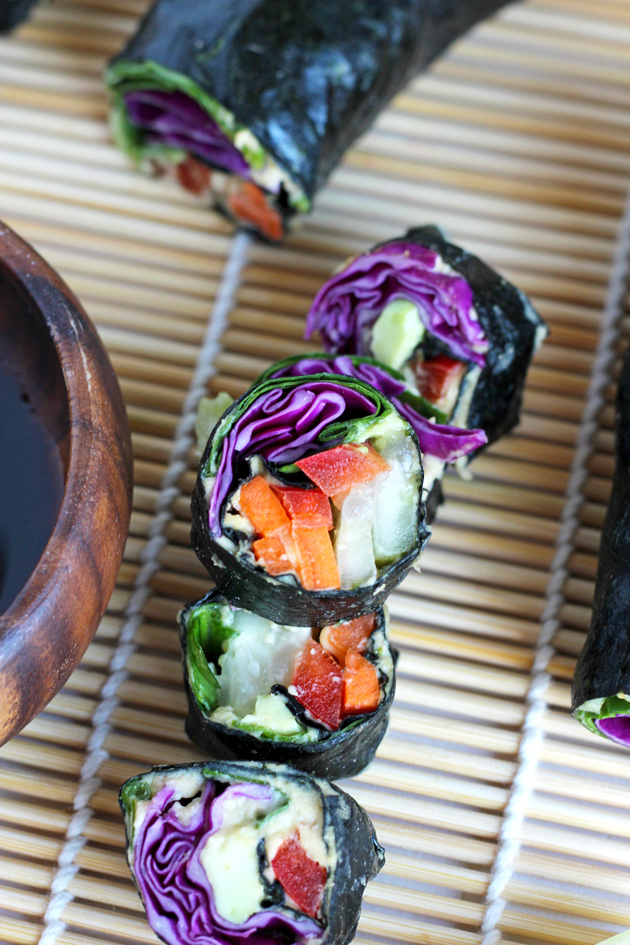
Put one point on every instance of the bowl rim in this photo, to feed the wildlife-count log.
(97, 425)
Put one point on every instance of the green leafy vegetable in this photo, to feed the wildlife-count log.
(209, 627)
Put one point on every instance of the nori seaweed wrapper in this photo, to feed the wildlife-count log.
(512, 328)
(601, 685)
(14, 12)
(510, 323)
(251, 587)
(306, 77)
(433, 501)
(347, 827)
(336, 754)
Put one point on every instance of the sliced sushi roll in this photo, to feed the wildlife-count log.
(307, 508)
(242, 851)
(461, 335)
(601, 685)
(317, 698)
(253, 103)
(440, 443)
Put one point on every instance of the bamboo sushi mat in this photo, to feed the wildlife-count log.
(518, 143)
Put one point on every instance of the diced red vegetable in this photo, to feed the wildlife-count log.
(249, 203)
(318, 684)
(272, 553)
(342, 467)
(301, 877)
(439, 379)
(361, 691)
(193, 176)
(352, 635)
(264, 510)
(309, 507)
(315, 558)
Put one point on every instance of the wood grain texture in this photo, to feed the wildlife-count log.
(48, 627)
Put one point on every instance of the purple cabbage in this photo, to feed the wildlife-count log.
(283, 425)
(175, 888)
(616, 728)
(447, 443)
(176, 120)
(346, 306)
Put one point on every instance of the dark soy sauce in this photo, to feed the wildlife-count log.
(31, 487)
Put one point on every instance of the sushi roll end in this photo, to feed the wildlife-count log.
(308, 504)
(458, 333)
(251, 104)
(223, 852)
(601, 685)
(316, 698)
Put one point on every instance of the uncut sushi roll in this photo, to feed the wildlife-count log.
(307, 508)
(316, 698)
(439, 443)
(241, 851)
(601, 685)
(461, 335)
(254, 102)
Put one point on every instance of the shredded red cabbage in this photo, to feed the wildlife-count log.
(447, 443)
(346, 306)
(616, 728)
(176, 120)
(175, 888)
(282, 426)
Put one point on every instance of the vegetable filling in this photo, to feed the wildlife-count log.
(166, 119)
(315, 481)
(608, 716)
(217, 863)
(347, 307)
(284, 683)
(617, 728)
(446, 443)
(403, 305)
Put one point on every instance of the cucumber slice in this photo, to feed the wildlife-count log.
(396, 333)
(395, 503)
(353, 537)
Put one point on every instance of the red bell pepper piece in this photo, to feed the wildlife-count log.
(248, 203)
(438, 377)
(352, 635)
(193, 176)
(342, 467)
(318, 684)
(301, 877)
(308, 507)
(262, 507)
(315, 557)
(272, 553)
(361, 691)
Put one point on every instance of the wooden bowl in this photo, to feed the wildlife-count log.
(49, 344)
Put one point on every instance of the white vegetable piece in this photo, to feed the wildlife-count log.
(259, 655)
(395, 513)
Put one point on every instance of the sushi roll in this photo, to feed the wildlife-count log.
(254, 102)
(439, 442)
(307, 508)
(601, 685)
(317, 699)
(242, 851)
(461, 335)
